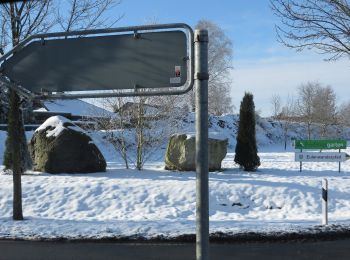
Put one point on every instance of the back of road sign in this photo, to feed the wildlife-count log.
(113, 62)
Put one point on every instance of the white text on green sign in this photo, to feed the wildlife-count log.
(320, 144)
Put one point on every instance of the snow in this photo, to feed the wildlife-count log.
(56, 124)
(155, 202)
(211, 134)
(76, 107)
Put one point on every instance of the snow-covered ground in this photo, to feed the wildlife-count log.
(155, 202)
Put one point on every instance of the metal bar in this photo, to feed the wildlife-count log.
(202, 184)
(324, 202)
(116, 94)
(115, 30)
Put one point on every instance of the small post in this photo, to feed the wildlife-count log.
(301, 163)
(202, 166)
(324, 202)
(339, 163)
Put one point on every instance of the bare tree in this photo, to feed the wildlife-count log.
(85, 14)
(219, 66)
(305, 101)
(114, 125)
(20, 20)
(156, 119)
(316, 104)
(344, 114)
(276, 106)
(141, 126)
(324, 108)
(122, 119)
(323, 25)
(287, 115)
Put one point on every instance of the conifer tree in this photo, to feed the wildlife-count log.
(16, 122)
(246, 148)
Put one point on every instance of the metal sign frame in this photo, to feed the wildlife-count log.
(166, 90)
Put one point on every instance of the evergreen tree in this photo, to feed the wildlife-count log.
(246, 149)
(3, 104)
(25, 159)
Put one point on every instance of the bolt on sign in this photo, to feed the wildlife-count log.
(156, 59)
(320, 144)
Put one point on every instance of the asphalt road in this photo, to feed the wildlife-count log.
(339, 249)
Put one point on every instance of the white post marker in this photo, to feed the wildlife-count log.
(324, 202)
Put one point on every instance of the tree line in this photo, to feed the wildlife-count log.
(315, 105)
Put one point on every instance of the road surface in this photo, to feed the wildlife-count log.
(338, 249)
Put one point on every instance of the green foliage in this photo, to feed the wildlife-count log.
(7, 155)
(16, 133)
(246, 148)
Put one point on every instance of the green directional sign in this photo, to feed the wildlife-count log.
(320, 144)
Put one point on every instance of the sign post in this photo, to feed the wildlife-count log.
(325, 202)
(202, 168)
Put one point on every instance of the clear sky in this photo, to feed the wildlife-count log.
(261, 64)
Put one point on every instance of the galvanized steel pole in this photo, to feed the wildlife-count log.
(202, 185)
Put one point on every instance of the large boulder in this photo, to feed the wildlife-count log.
(59, 146)
(181, 153)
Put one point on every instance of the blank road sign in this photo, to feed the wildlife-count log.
(125, 61)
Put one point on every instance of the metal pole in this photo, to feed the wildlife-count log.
(339, 163)
(324, 202)
(202, 186)
(301, 163)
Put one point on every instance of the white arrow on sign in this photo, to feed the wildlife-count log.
(321, 157)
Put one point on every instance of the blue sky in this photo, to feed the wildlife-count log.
(261, 64)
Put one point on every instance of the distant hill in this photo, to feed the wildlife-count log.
(268, 131)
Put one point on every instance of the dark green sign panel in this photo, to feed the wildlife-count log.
(147, 60)
(320, 144)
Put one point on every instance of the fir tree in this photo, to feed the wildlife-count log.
(246, 149)
(19, 135)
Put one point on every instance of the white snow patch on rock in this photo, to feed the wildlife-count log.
(57, 125)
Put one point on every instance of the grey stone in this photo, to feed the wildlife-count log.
(69, 150)
(181, 152)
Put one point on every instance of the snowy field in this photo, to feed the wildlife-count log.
(156, 202)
